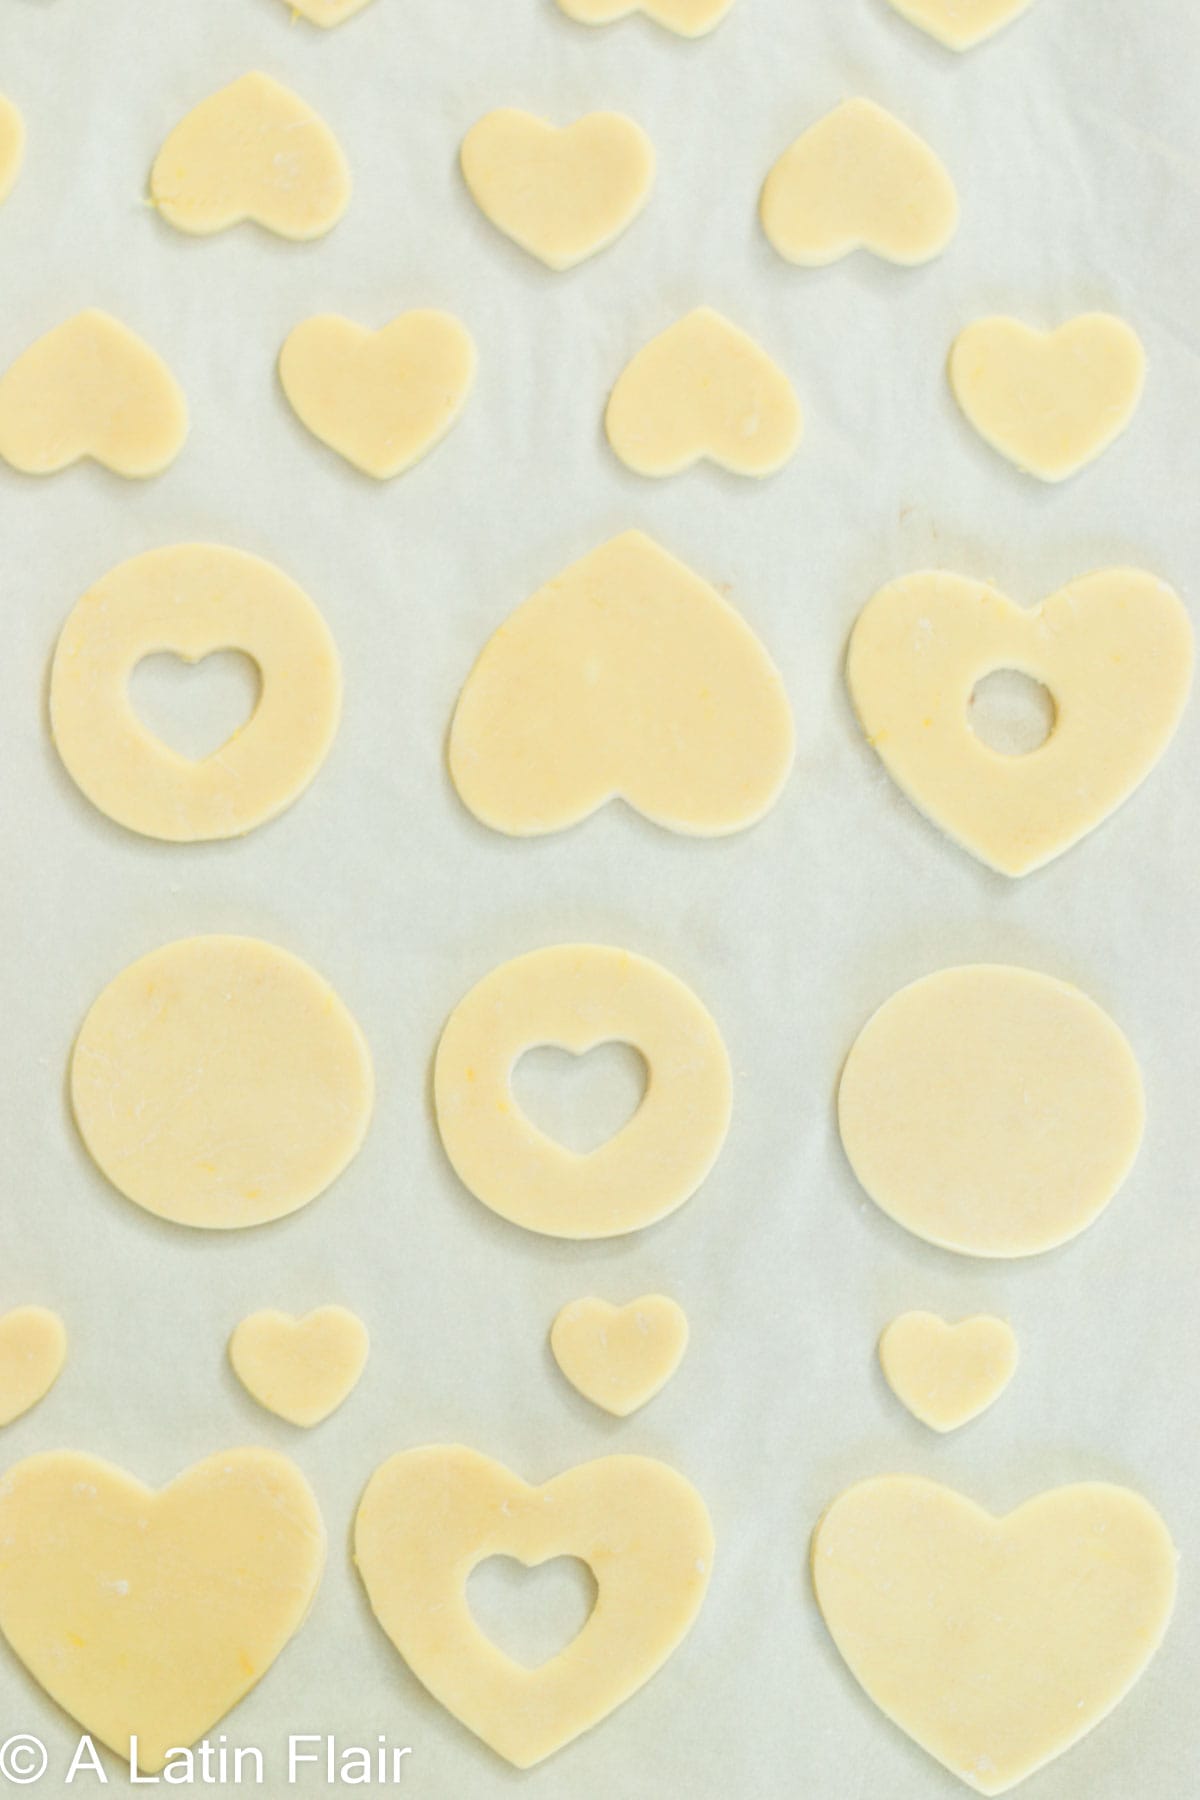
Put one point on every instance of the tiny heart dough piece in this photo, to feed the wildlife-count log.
(703, 388)
(561, 194)
(326, 12)
(12, 147)
(150, 1614)
(960, 24)
(430, 1516)
(253, 150)
(858, 179)
(947, 1374)
(33, 1349)
(300, 1369)
(619, 1357)
(1050, 401)
(688, 18)
(91, 388)
(995, 1643)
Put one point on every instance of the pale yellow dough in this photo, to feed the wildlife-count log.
(627, 676)
(946, 1374)
(326, 12)
(430, 1516)
(703, 388)
(33, 1349)
(302, 1369)
(995, 1643)
(576, 996)
(619, 1357)
(561, 194)
(1050, 401)
(91, 387)
(991, 1110)
(688, 18)
(961, 24)
(220, 1082)
(382, 399)
(1113, 648)
(194, 599)
(858, 179)
(253, 150)
(12, 147)
(151, 1614)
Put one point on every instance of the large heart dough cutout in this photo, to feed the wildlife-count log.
(688, 18)
(12, 147)
(429, 1516)
(33, 1349)
(960, 24)
(946, 1374)
(150, 1614)
(995, 1643)
(300, 1369)
(1115, 651)
(619, 1357)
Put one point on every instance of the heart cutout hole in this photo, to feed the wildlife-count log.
(531, 1614)
(580, 1101)
(195, 707)
(1011, 712)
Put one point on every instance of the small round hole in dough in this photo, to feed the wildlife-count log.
(1011, 712)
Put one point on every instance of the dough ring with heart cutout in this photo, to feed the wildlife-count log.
(576, 997)
(193, 600)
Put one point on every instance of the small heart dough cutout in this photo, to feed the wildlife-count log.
(326, 12)
(430, 1516)
(625, 676)
(858, 179)
(960, 24)
(33, 1349)
(300, 1369)
(947, 1374)
(687, 18)
(150, 1614)
(1050, 401)
(619, 1357)
(253, 150)
(703, 388)
(995, 1643)
(561, 194)
(91, 388)
(12, 147)
(382, 399)
(1113, 648)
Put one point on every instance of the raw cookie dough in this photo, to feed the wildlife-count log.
(326, 12)
(33, 1349)
(689, 18)
(382, 399)
(858, 179)
(253, 150)
(300, 1368)
(577, 996)
(960, 24)
(995, 1643)
(12, 147)
(626, 676)
(991, 1110)
(947, 1374)
(151, 1613)
(1050, 401)
(703, 388)
(91, 387)
(220, 1082)
(430, 1516)
(561, 194)
(619, 1357)
(194, 599)
(1114, 649)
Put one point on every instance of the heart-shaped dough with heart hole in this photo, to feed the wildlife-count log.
(1114, 649)
(326, 12)
(12, 147)
(33, 1349)
(960, 24)
(301, 1369)
(995, 1643)
(625, 676)
(858, 179)
(946, 1374)
(430, 1516)
(687, 18)
(619, 1357)
(151, 1614)
(562, 194)
(253, 150)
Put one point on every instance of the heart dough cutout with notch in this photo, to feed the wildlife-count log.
(253, 150)
(301, 1369)
(12, 147)
(960, 24)
(150, 1614)
(628, 677)
(619, 1357)
(944, 1374)
(562, 194)
(1114, 649)
(687, 18)
(33, 1349)
(703, 389)
(995, 1643)
(858, 179)
(326, 12)
(430, 1516)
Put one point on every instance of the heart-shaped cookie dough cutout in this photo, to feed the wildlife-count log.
(858, 179)
(687, 18)
(561, 194)
(382, 399)
(618, 1357)
(947, 1374)
(995, 1643)
(429, 1516)
(91, 388)
(300, 1368)
(253, 150)
(326, 12)
(960, 24)
(703, 388)
(1050, 401)
(150, 1614)
(195, 707)
(12, 147)
(1113, 649)
(626, 676)
(33, 1349)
